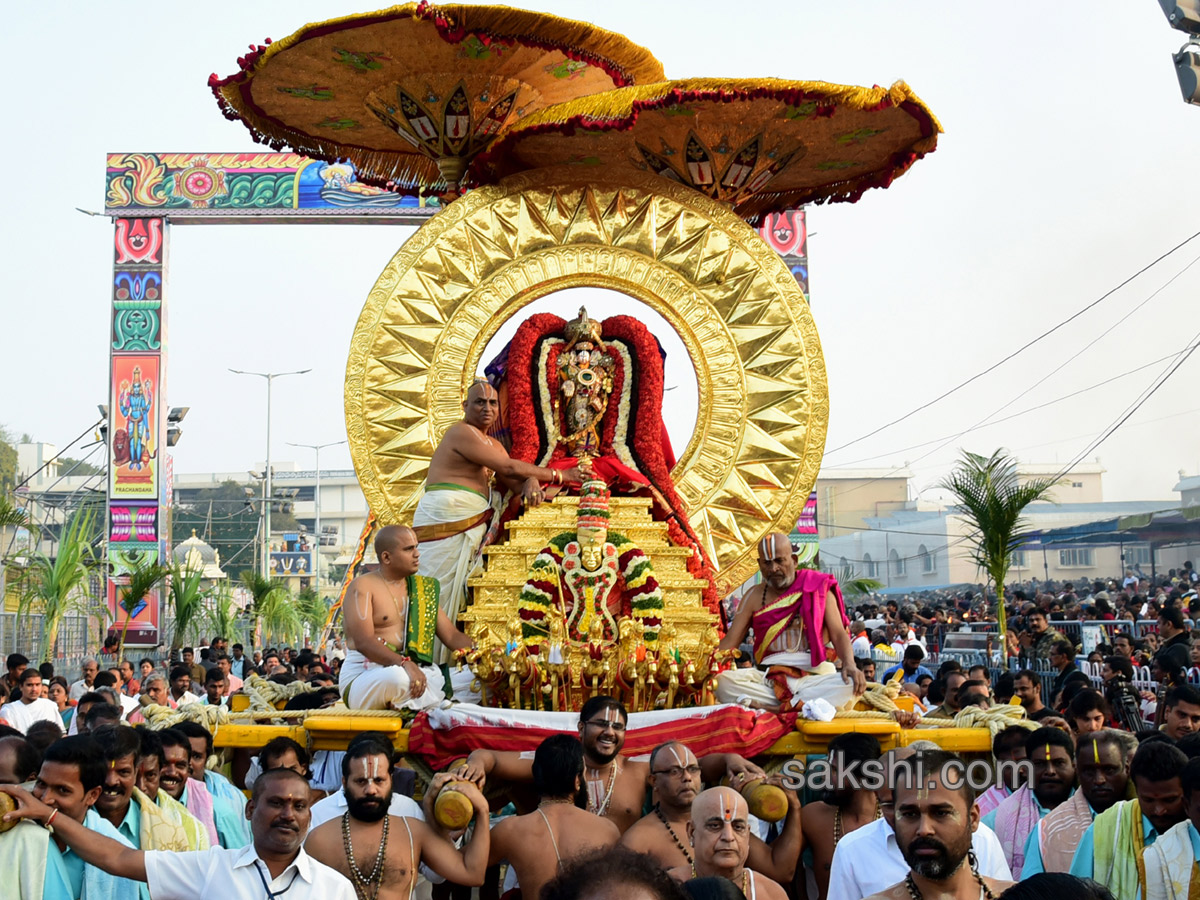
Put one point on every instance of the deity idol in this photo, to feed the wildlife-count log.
(591, 577)
(589, 394)
(134, 402)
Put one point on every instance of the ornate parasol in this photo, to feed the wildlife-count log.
(759, 145)
(413, 93)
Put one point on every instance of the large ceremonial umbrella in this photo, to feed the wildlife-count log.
(758, 144)
(412, 93)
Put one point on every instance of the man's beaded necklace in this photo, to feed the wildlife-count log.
(678, 843)
(364, 882)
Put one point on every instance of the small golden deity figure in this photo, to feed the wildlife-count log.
(585, 374)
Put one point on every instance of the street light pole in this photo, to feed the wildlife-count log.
(317, 502)
(270, 377)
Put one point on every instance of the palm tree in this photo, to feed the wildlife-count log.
(58, 585)
(142, 580)
(187, 601)
(272, 606)
(313, 611)
(12, 516)
(993, 498)
(222, 614)
(854, 585)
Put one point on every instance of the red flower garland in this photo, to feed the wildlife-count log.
(646, 444)
(522, 415)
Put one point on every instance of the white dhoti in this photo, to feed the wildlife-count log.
(822, 682)
(368, 685)
(450, 522)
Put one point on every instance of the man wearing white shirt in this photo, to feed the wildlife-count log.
(32, 707)
(274, 865)
(861, 645)
(84, 684)
(181, 686)
(868, 860)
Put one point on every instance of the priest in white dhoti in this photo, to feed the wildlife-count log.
(453, 515)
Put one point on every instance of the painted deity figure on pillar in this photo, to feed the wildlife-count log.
(591, 577)
(135, 401)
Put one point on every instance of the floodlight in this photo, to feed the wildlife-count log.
(103, 407)
(177, 413)
(1183, 15)
(174, 433)
(1187, 70)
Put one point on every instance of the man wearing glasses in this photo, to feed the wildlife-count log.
(616, 787)
(675, 781)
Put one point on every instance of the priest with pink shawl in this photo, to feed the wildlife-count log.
(795, 615)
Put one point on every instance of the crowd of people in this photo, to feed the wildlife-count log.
(1095, 792)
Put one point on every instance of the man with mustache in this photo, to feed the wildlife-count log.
(849, 879)
(380, 853)
(843, 808)
(675, 782)
(176, 782)
(616, 787)
(560, 824)
(1102, 763)
(1111, 849)
(1051, 753)
(68, 786)
(275, 865)
(936, 816)
(794, 616)
(136, 817)
(719, 831)
(229, 804)
(1171, 860)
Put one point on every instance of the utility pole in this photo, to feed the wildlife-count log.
(266, 537)
(317, 502)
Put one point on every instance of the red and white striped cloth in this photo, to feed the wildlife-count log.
(443, 735)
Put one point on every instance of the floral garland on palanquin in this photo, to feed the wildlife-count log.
(557, 569)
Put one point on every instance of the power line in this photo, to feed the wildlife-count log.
(1165, 376)
(1019, 350)
(1016, 415)
(984, 420)
(58, 454)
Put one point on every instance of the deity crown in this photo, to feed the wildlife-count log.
(582, 329)
(593, 505)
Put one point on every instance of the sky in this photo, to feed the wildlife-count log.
(1061, 173)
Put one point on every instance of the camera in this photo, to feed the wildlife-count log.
(1126, 703)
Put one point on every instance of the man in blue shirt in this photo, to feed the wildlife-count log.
(1108, 851)
(913, 654)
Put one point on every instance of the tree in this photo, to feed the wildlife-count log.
(272, 607)
(77, 467)
(993, 499)
(223, 615)
(313, 612)
(854, 585)
(143, 578)
(187, 601)
(58, 585)
(8, 460)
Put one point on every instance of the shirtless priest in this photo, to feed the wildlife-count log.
(559, 823)
(381, 865)
(794, 614)
(719, 831)
(391, 617)
(452, 516)
(675, 784)
(616, 787)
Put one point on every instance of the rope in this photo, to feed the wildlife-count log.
(995, 719)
